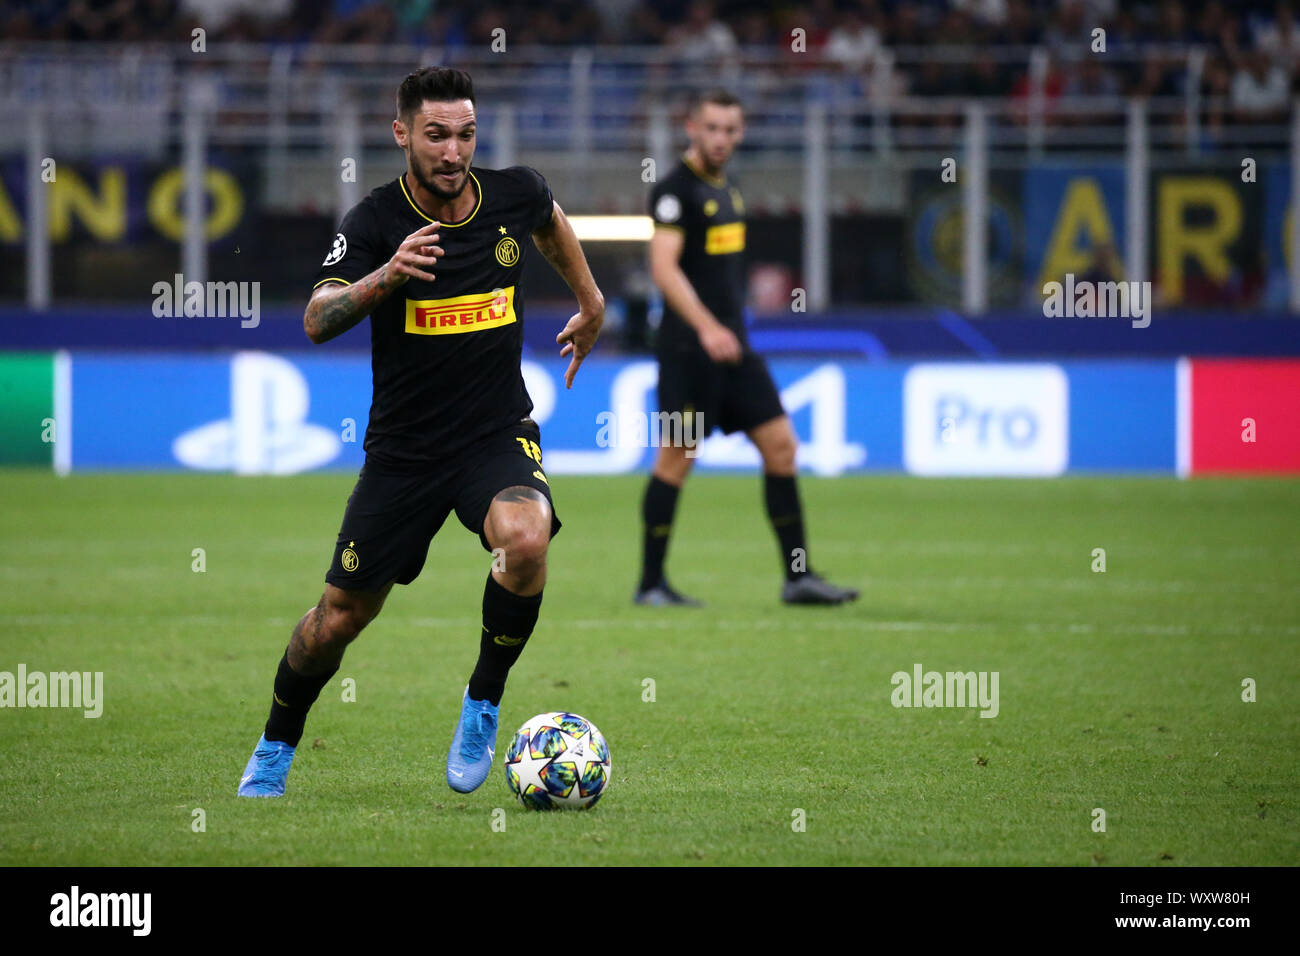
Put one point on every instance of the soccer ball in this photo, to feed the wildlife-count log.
(558, 760)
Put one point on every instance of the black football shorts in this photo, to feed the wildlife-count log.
(391, 517)
(734, 398)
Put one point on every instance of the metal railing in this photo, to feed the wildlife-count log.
(597, 106)
(591, 99)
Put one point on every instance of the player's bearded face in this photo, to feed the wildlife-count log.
(446, 179)
(440, 147)
(715, 131)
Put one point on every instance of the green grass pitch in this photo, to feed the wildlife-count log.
(1119, 690)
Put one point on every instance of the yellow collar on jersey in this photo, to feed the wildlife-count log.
(446, 225)
(712, 181)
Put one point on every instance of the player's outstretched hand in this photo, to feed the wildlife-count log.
(578, 338)
(416, 254)
(720, 343)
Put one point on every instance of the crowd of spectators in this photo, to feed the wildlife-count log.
(1246, 69)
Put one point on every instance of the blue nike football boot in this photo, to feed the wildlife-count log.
(267, 769)
(470, 759)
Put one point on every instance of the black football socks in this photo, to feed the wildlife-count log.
(784, 511)
(294, 694)
(508, 621)
(657, 510)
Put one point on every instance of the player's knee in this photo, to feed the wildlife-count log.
(779, 454)
(344, 620)
(525, 544)
(519, 523)
(673, 464)
(682, 466)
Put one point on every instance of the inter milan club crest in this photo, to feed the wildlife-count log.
(507, 252)
(350, 559)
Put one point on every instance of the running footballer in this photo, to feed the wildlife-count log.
(706, 366)
(435, 258)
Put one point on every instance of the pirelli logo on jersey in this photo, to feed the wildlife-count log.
(720, 240)
(462, 313)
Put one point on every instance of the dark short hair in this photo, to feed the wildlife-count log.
(717, 96)
(435, 83)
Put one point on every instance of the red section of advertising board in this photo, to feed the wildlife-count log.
(1245, 415)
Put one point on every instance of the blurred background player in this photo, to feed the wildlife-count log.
(708, 374)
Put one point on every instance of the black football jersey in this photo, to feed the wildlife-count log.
(444, 354)
(711, 215)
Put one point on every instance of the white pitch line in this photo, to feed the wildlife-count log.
(614, 624)
(1084, 581)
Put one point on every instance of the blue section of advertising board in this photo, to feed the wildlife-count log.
(282, 413)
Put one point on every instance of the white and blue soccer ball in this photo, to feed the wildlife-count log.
(558, 760)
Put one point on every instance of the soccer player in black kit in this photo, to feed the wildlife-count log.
(706, 367)
(435, 258)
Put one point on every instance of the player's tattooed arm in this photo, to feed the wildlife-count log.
(334, 309)
(558, 242)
